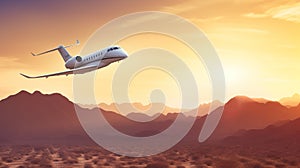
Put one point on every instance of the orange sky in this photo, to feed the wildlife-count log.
(257, 42)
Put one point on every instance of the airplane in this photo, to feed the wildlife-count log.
(83, 64)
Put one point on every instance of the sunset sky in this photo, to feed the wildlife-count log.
(258, 43)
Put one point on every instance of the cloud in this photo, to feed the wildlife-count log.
(206, 19)
(179, 8)
(10, 62)
(254, 15)
(288, 12)
(248, 30)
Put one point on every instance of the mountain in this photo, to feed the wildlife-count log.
(38, 118)
(150, 110)
(242, 112)
(141, 117)
(283, 137)
(290, 101)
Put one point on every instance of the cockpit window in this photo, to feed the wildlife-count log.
(113, 48)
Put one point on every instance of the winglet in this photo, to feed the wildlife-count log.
(33, 54)
(26, 76)
(71, 45)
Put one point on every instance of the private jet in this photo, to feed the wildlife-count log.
(84, 64)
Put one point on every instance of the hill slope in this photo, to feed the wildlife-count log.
(37, 118)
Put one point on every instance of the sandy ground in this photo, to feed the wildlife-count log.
(92, 156)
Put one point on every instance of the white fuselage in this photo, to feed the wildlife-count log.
(99, 58)
(81, 65)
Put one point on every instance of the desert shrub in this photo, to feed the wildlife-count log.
(184, 160)
(208, 162)
(132, 162)
(4, 166)
(51, 150)
(280, 165)
(268, 162)
(159, 159)
(17, 157)
(227, 163)
(208, 156)
(38, 149)
(243, 160)
(56, 160)
(70, 161)
(273, 156)
(171, 162)
(63, 155)
(88, 165)
(46, 156)
(195, 157)
(110, 158)
(7, 159)
(29, 158)
(74, 155)
(125, 158)
(293, 162)
(290, 161)
(157, 165)
(201, 166)
(142, 161)
(100, 157)
(21, 166)
(45, 162)
(133, 167)
(180, 166)
(119, 166)
(106, 164)
(87, 156)
(96, 160)
(253, 165)
(34, 160)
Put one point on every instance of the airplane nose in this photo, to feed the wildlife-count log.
(124, 54)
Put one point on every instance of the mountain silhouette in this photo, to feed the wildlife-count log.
(38, 118)
(290, 101)
(285, 137)
(243, 113)
(150, 110)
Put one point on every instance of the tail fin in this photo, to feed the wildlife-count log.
(62, 50)
(64, 53)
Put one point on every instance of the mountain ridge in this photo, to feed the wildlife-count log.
(51, 118)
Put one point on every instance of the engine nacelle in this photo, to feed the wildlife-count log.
(72, 63)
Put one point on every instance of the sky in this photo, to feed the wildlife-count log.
(256, 41)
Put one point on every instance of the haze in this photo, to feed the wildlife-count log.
(257, 42)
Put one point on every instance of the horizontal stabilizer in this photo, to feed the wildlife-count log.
(54, 49)
(44, 52)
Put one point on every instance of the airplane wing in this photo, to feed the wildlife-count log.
(72, 71)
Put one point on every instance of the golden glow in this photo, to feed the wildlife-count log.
(149, 79)
(257, 42)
